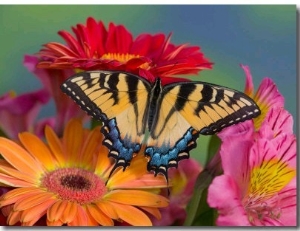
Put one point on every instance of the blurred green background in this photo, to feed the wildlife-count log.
(263, 37)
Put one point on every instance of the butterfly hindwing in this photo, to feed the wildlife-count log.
(185, 110)
(120, 102)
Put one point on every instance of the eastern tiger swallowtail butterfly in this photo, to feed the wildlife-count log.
(172, 115)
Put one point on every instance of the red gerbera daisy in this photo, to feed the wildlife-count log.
(96, 48)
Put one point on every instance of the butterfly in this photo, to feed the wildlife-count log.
(168, 119)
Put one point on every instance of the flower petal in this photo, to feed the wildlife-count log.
(72, 139)
(131, 215)
(13, 181)
(18, 194)
(141, 198)
(13, 217)
(136, 169)
(90, 145)
(146, 181)
(54, 223)
(35, 213)
(70, 211)
(19, 158)
(278, 121)
(80, 219)
(153, 211)
(249, 87)
(55, 146)
(37, 149)
(228, 203)
(33, 200)
(99, 216)
(55, 212)
(107, 208)
(103, 163)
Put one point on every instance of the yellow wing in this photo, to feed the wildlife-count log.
(188, 109)
(118, 100)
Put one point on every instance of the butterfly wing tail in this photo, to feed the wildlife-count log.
(162, 158)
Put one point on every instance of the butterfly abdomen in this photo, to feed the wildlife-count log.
(153, 98)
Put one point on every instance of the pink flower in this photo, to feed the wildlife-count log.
(258, 184)
(52, 79)
(259, 163)
(182, 180)
(267, 95)
(19, 113)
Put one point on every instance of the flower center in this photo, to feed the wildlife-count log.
(123, 58)
(266, 181)
(75, 184)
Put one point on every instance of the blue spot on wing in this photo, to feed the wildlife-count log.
(161, 158)
(120, 149)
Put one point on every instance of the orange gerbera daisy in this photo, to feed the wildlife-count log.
(66, 181)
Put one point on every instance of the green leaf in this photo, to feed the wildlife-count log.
(213, 147)
(205, 215)
(196, 207)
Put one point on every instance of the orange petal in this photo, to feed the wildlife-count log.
(38, 149)
(72, 140)
(132, 215)
(70, 212)
(91, 145)
(103, 162)
(80, 218)
(55, 146)
(19, 158)
(12, 172)
(137, 168)
(36, 212)
(14, 182)
(145, 181)
(140, 198)
(90, 219)
(99, 216)
(33, 200)
(154, 211)
(54, 223)
(18, 194)
(13, 217)
(107, 209)
(55, 211)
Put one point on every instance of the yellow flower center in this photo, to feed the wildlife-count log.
(75, 184)
(123, 58)
(179, 181)
(266, 181)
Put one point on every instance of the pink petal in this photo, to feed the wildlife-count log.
(278, 121)
(249, 88)
(228, 203)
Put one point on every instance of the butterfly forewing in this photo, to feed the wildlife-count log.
(209, 108)
(120, 102)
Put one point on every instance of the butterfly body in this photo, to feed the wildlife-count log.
(172, 115)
